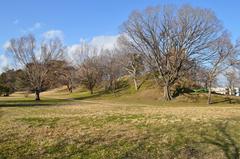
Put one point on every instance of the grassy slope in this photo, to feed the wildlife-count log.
(124, 125)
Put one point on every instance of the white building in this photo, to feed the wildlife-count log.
(220, 90)
(227, 91)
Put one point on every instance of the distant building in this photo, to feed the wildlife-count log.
(220, 90)
(227, 91)
(237, 91)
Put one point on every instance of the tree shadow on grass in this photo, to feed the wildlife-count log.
(223, 140)
(90, 96)
(97, 94)
(31, 103)
(227, 100)
(181, 91)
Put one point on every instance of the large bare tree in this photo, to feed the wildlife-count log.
(168, 37)
(35, 60)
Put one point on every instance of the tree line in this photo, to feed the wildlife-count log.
(167, 44)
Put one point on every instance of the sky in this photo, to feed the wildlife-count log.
(97, 21)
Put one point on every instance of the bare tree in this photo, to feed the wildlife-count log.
(68, 77)
(35, 60)
(8, 82)
(201, 78)
(232, 79)
(132, 62)
(65, 72)
(168, 37)
(219, 61)
(89, 71)
(111, 67)
(134, 67)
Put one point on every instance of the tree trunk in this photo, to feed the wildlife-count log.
(135, 83)
(167, 93)
(209, 93)
(91, 90)
(69, 87)
(37, 94)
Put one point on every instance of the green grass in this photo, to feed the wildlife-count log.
(119, 131)
(38, 121)
(138, 125)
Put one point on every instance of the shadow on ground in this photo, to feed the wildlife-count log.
(31, 103)
(97, 94)
(224, 140)
(228, 100)
(47, 102)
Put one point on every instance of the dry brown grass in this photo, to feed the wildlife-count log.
(102, 129)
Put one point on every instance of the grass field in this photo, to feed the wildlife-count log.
(114, 126)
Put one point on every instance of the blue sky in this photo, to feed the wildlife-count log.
(89, 19)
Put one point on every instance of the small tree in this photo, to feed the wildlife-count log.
(89, 70)
(134, 67)
(8, 82)
(132, 62)
(232, 79)
(111, 68)
(68, 76)
(35, 60)
(218, 61)
(65, 72)
(89, 73)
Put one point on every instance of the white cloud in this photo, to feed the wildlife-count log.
(53, 34)
(101, 42)
(6, 45)
(3, 62)
(105, 42)
(72, 50)
(33, 28)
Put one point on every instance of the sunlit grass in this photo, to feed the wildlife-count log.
(117, 131)
(105, 125)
